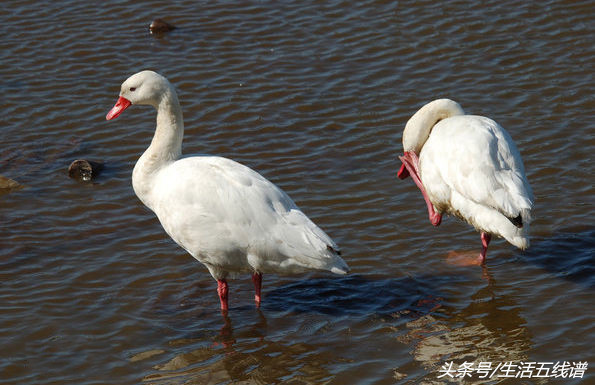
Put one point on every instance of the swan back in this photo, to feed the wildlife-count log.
(418, 127)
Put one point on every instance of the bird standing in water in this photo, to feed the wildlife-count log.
(223, 213)
(468, 166)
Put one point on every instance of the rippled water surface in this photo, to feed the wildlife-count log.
(314, 95)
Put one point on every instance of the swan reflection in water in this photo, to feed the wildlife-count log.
(489, 329)
(244, 354)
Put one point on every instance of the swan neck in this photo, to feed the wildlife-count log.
(419, 127)
(165, 148)
(167, 141)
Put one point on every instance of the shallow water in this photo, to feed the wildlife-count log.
(313, 95)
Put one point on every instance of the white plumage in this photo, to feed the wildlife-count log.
(223, 213)
(469, 167)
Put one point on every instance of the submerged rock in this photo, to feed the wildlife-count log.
(84, 170)
(159, 26)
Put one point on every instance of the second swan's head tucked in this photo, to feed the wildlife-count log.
(418, 128)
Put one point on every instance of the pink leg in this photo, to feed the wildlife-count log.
(222, 289)
(411, 164)
(485, 241)
(257, 279)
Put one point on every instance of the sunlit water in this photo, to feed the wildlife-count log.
(313, 95)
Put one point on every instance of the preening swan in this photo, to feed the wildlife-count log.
(468, 166)
(223, 213)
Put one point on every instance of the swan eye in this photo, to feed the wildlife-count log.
(132, 89)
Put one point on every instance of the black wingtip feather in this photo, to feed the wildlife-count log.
(331, 249)
(518, 221)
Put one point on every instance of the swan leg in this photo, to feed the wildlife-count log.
(222, 290)
(485, 241)
(411, 164)
(257, 280)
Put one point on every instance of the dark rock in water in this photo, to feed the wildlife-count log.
(8, 185)
(159, 26)
(84, 170)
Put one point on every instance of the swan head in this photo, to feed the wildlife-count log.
(418, 127)
(145, 87)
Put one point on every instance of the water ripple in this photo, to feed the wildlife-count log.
(313, 95)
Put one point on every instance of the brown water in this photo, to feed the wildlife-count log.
(313, 95)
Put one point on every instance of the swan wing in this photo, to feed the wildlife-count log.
(477, 158)
(226, 214)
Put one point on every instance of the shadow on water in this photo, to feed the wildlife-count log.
(356, 294)
(345, 296)
(568, 254)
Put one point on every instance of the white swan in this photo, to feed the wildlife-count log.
(223, 213)
(468, 166)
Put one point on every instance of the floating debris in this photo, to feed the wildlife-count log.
(159, 26)
(7, 185)
(84, 170)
